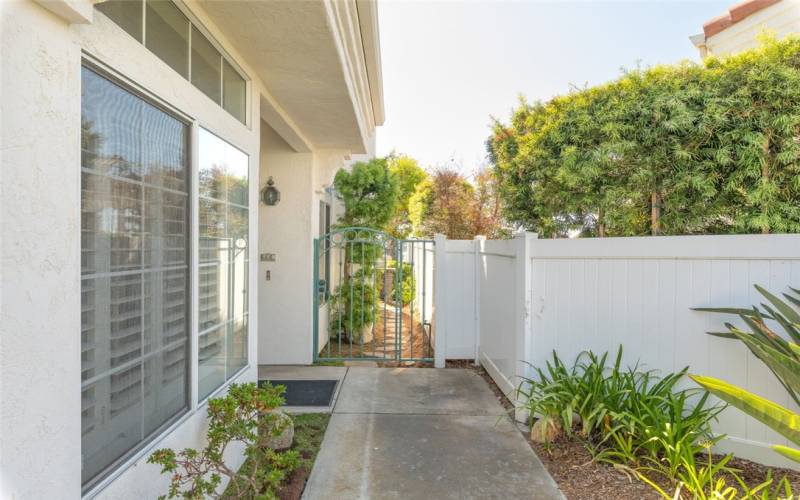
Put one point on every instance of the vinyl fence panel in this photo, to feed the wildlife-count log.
(573, 295)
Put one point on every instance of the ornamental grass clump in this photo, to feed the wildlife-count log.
(640, 423)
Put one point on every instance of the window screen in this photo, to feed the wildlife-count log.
(134, 272)
(167, 34)
(177, 41)
(234, 90)
(127, 14)
(206, 66)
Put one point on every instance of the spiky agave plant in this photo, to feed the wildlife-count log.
(781, 355)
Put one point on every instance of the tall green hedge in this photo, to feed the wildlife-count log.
(677, 149)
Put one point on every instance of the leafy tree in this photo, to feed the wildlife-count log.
(441, 205)
(677, 149)
(409, 175)
(759, 92)
(369, 192)
(449, 204)
(487, 218)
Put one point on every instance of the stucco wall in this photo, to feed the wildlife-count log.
(288, 230)
(40, 362)
(40, 426)
(285, 230)
(782, 18)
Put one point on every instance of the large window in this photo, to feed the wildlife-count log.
(224, 246)
(134, 272)
(180, 43)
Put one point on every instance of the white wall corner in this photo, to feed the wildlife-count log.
(279, 120)
(72, 11)
(439, 323)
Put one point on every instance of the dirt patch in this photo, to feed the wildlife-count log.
(570, 464)
(309, 429)
(753, 473)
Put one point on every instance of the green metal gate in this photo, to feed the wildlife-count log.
(373, 297)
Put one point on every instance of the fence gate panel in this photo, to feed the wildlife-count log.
(373, 297)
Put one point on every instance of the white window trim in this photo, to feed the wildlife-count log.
(195, 21)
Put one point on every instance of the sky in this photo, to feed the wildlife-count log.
(450, 66)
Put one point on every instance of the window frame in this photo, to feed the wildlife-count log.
(154, 440)
(102, 479)
(196, 289)
(194, 22)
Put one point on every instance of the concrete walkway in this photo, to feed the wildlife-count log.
(423, 433)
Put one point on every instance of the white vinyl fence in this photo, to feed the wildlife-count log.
(511, 303)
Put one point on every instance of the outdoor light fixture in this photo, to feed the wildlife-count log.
(270, 194)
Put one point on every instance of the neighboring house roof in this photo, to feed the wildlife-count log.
(735, 14)
(738, 27)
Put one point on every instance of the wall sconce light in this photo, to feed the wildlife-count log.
(270, 194)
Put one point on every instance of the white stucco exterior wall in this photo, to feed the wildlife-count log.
(288, 230)
(285, 230)
(40, 360)
(40, 412)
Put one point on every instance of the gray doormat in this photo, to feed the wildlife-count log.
(306, 392)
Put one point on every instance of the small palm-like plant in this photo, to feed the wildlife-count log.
(781, 355)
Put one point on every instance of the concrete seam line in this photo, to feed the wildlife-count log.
(339, 390)
(424, 414)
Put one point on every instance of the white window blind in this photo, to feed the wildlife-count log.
(134, 265)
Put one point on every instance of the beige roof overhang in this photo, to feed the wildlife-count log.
(319, 60)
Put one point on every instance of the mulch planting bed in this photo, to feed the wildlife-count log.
(309, 429)
(570, 464)
(579, 478)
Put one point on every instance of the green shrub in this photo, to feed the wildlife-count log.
(613, 402)
(673, 149)
(781, 356)
(642, 424)
(244, 415)
(408, 289)
(353, 307)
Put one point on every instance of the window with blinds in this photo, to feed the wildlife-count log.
(223, 279)
(134, 272)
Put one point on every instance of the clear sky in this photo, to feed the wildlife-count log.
(449, 66)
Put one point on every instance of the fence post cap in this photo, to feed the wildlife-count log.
(480, 237)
